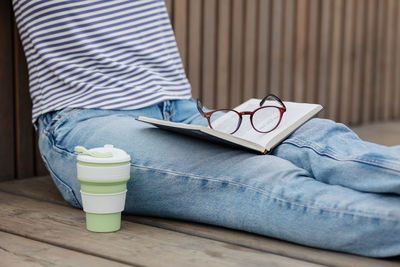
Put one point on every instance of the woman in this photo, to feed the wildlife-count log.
(95, 66)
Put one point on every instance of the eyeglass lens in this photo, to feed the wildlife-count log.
(266, 119)
(230, 122)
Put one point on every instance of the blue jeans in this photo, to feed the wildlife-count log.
(322, 187)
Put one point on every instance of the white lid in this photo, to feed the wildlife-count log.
(115, 155)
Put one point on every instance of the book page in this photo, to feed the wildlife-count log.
(294, 112)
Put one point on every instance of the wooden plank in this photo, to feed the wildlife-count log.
(389, 75)
(43, 188)
(263, 50)
(7, 151)
(28, 160)
(168, 4)
(345, 87)
(250, 38)
(359, 62)
(135, 243)
(19, 251)
(312, 51)
(385, 133)
(209, 52)
(236, 69)
(180, 21)
(380, 61)
(288, 44)
(324, 54)
(223, 52)
(24, 132)
(318, 256)
(370, 61)
(194, 47)
(337, 45)
(276, 37)
(300, 66)
(396, 97)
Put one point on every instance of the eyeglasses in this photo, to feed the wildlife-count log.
(263, 119)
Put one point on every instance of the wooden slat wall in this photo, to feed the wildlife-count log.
(24, 133)
(340, 53)
(7, 134)
(343, 54)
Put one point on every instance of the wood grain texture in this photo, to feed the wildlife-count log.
(20, 251)
(313, 35)
(135, 243)
(336, 59)
(325, 44)
(345, 99)
(195, 47)
(180, 22)
(168, 4)
(396, 96)
(250, 48)
(275, 78)
(300, 69)
(318, 256)
(39, 187)
(358, 81)
(380, 66)
(7, 133)
(223, 53)
(24, 132)
(43, 188)
(209, 52)
(389, 75)
(370, 61)
(236, 67)
(263, 48)
(383, 133)
(304, 50)
(288, 61)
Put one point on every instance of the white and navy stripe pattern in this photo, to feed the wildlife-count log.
(108, 54)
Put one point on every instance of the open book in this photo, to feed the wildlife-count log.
(246, 137)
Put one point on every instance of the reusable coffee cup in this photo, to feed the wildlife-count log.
(103, 173)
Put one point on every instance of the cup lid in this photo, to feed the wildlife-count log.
(106, 154)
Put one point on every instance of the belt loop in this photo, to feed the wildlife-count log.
(168, 109)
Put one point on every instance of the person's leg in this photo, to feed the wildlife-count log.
(180, 177)
(333, 154)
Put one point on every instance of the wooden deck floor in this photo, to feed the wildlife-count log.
(38, 228)
(384, 133)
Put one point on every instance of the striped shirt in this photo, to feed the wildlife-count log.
(104, 54)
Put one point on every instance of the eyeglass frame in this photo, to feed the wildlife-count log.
(282, 110)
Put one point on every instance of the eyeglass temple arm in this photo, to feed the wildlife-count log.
(273, 97)
(200, 108)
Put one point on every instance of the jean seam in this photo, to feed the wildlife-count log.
(59, 151)
(334, 155)
(264, 193)
(74, 198)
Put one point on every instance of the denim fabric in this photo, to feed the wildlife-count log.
(322, 187)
